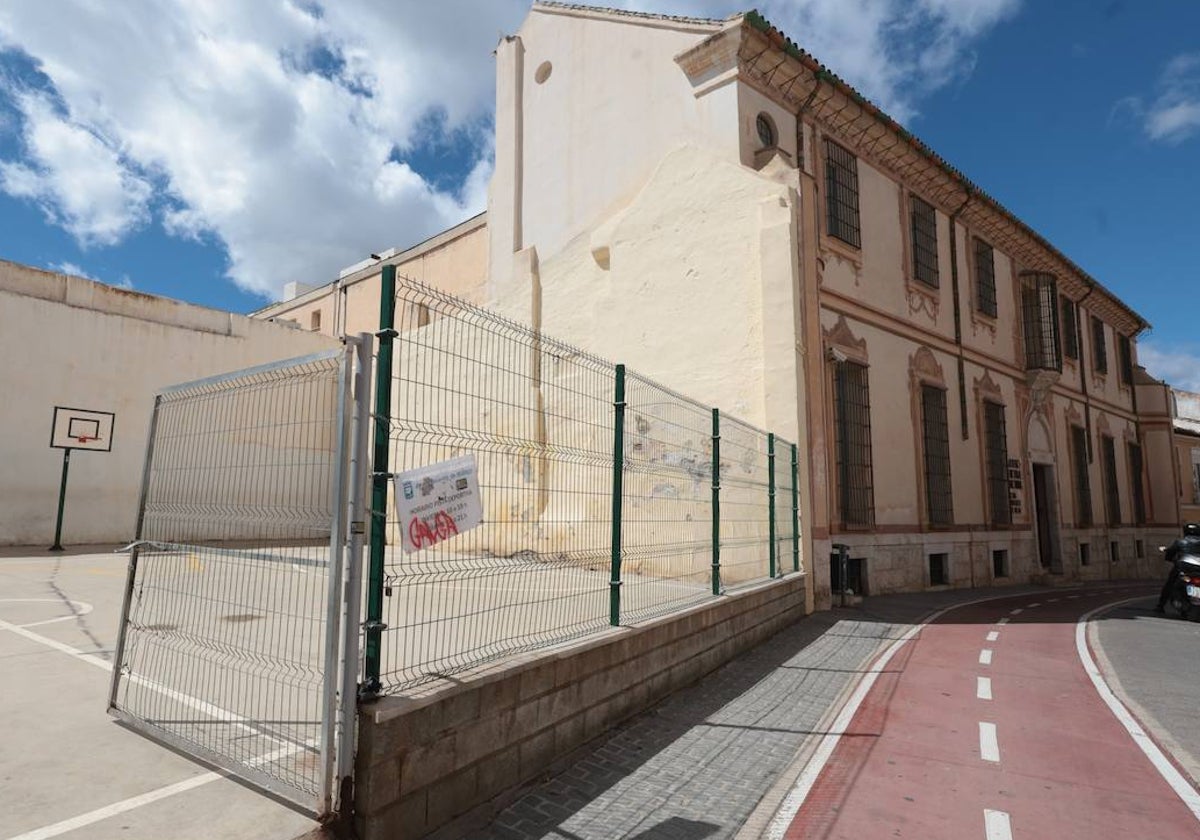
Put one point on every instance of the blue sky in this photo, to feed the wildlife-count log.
(240, 146)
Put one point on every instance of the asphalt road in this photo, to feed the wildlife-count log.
(1152, 659)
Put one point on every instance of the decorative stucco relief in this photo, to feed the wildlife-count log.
(841, 337)
(923, 368)
(986, 387)
(920, 300)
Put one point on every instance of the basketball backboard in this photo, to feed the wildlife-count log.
(77, 428)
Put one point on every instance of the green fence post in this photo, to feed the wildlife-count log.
(374, 625)
(771, 495)
(614, 586)
(716, 502)
(795, 511)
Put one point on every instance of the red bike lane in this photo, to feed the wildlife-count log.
(986, 725)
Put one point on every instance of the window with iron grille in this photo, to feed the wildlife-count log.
(996, 451)
(1135, 484)
(1125, 358)
(1112, 499)
(1039, 300)
(1070, 327)
(852, 411)
(1083, 482)
(935, 430)
(1099, 351)
(841, 194)
(923, 220)
(985, 278)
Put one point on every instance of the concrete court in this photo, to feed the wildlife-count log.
(62, 757)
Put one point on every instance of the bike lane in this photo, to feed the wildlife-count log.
(986, 725)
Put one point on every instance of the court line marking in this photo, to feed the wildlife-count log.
(80, 607)
(983, 688)
(187, 700)
(993, 635)
(816, 764)
(1182, 787)
(989, 745)
(115, 808)
(996, 825)
(985, 656)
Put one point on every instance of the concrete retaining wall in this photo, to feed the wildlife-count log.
(425, 761)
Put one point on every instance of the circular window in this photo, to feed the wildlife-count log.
(766, 130)
(543, 72)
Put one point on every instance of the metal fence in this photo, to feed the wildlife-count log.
(228, 642)
(607, 498)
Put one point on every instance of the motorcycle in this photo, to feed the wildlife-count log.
(1185, 595)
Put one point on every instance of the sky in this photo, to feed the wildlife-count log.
(214, 151)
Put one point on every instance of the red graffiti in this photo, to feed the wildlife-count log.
(421, 534)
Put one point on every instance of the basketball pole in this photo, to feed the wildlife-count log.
(62, 500)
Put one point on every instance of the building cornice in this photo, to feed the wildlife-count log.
(749, 48)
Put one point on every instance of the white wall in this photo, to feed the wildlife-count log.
(69, 341)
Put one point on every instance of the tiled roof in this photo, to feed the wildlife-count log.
(583, 7)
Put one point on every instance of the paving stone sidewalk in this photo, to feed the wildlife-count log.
(697, 765)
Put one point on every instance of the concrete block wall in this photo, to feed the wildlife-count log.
(425, 761)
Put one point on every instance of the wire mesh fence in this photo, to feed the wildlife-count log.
(598, 493)
(224, 641)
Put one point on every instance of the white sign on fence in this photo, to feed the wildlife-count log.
(438, 502)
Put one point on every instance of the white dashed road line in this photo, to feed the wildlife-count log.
(983, 688)
(1003, 620)
(1017, 611)
(985, 656)
(996, 825)
(1034, 604)
(993, 635)
(989, 746)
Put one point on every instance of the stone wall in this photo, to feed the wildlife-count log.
(425, 761)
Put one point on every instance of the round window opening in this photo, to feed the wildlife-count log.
(766, 130)
(543, 72)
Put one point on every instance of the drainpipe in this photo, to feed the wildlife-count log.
(958, 340)
(1087, 402)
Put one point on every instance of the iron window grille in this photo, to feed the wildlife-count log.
(1070, 327)
(1112, 498)
(985, 278)
(1135, 484)
(1125, 358)
(996, 451)
(1083, 483)
(1100, 352)
(935, 428)
(1039, 298)
(923, 221)
(853, 429)
(841, 194)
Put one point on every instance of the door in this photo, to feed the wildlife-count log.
(1046, 518)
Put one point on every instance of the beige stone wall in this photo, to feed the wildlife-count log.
(73, 342)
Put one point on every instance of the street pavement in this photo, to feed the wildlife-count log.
(727, 757)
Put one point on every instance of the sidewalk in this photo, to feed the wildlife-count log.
(714, 760)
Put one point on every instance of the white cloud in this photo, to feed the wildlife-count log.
(1178, 366)
(274, 127)
(1174, 114)
(76, 270)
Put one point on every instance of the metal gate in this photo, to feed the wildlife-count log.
(239, 628)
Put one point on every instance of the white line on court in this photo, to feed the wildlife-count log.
(80, 607)
(183, 699)
(103, 813)
(996, 825)
(1017, 611)
(993, 635)
(985, 656)
(989, 746)
(983, 688)
(1162, 764)
(1003, 621)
